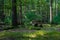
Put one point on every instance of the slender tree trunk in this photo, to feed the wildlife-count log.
(21, 16)
(14, 13)
(56, 6)
(51, 11)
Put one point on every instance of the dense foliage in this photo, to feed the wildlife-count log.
(31, 10)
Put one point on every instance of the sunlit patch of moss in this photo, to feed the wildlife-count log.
(35, 34)
(42, 33)
(46, 25)
(2, 34)
(30, 35)
(30, 39)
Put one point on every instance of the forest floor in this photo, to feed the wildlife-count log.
(17, 34)
(33, 30)
(50, 33)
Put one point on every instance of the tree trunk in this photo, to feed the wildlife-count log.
(2, 16)
(14, 14)
(56, 6)
(51, 11)
(21, 16)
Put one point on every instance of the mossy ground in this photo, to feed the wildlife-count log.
(36, 35)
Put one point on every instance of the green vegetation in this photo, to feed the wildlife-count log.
(29, 10)
(30, 19)
(37, 35)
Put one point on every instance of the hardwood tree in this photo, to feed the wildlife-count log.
(2, 16)
(14, 14)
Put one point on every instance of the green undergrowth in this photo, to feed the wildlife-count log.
(36, 35)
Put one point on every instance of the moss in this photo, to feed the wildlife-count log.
(37, 35)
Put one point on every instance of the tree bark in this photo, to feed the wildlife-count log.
(21, 16)
(2, 16)
(51, 11)
(14, 14)
(56, 6)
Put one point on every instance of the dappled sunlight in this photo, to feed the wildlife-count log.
(30, 35)
(29, 19)
(38, 35)
(35, 34)
(42, 33)
(2, 34)
(30, 39)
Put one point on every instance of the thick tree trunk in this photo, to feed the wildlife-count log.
(14, 13)
(2, 16)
